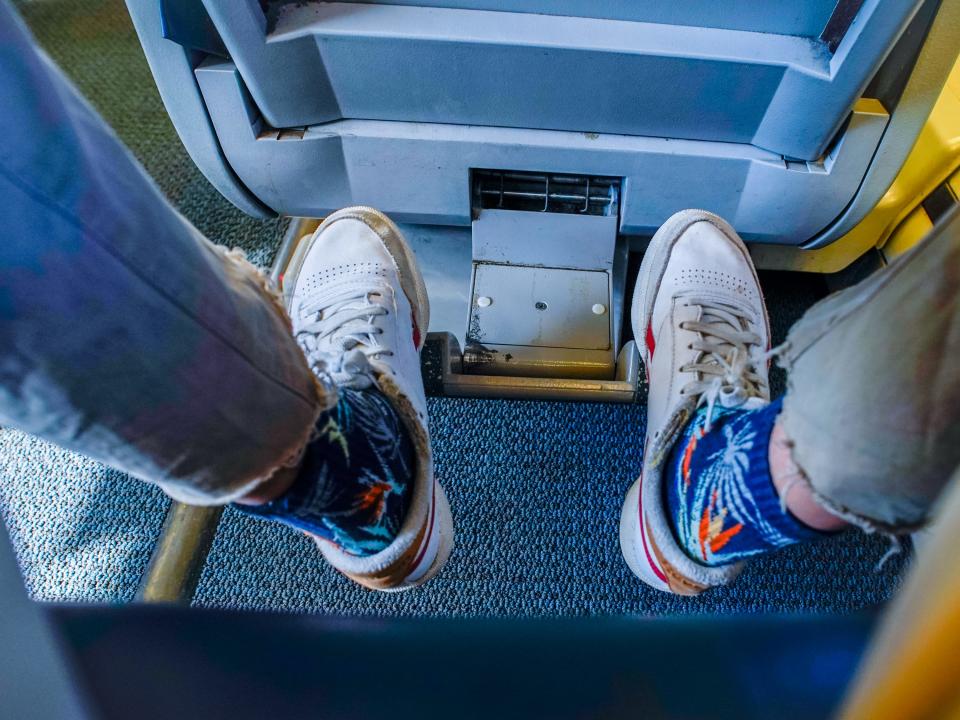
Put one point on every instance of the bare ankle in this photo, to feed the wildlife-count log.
(794, 489)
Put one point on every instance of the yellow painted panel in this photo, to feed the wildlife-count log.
(934, 157)
(912, 668)
(955, 184)
(908, 233)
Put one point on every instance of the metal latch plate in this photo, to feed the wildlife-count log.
(540, 307)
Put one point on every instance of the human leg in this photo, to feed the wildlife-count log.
(872, 411)
(730, 481)
(126, 336)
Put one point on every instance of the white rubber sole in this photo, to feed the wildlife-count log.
(437, 545)
(635, 545)
(432, 552)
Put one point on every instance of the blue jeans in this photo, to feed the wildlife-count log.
(124, 334)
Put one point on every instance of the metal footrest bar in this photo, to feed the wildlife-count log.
(180, 553)
(457, 383)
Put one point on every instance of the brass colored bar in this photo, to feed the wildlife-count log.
(180, 553)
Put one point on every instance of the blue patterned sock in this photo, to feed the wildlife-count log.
(721, 501)
(354, 484)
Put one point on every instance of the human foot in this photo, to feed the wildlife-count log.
(699, 313)
(360, 312)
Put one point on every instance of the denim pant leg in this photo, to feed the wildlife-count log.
(124, 335)
(873, 405)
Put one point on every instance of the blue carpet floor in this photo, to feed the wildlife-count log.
(536, 490)
(535, 487)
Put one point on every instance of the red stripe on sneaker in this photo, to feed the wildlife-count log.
(651, 343)
(643, 537)
(426, 537)
(416, 330)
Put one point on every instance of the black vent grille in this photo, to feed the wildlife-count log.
(543, 192)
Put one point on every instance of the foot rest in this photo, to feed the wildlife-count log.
(443, 372)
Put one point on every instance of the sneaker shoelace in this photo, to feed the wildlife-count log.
(339, 335)
(726, 364)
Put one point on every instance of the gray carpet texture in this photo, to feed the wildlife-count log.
(535, 487)
(81, 531)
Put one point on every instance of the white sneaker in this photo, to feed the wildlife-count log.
(360, 312)
(699, 316)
